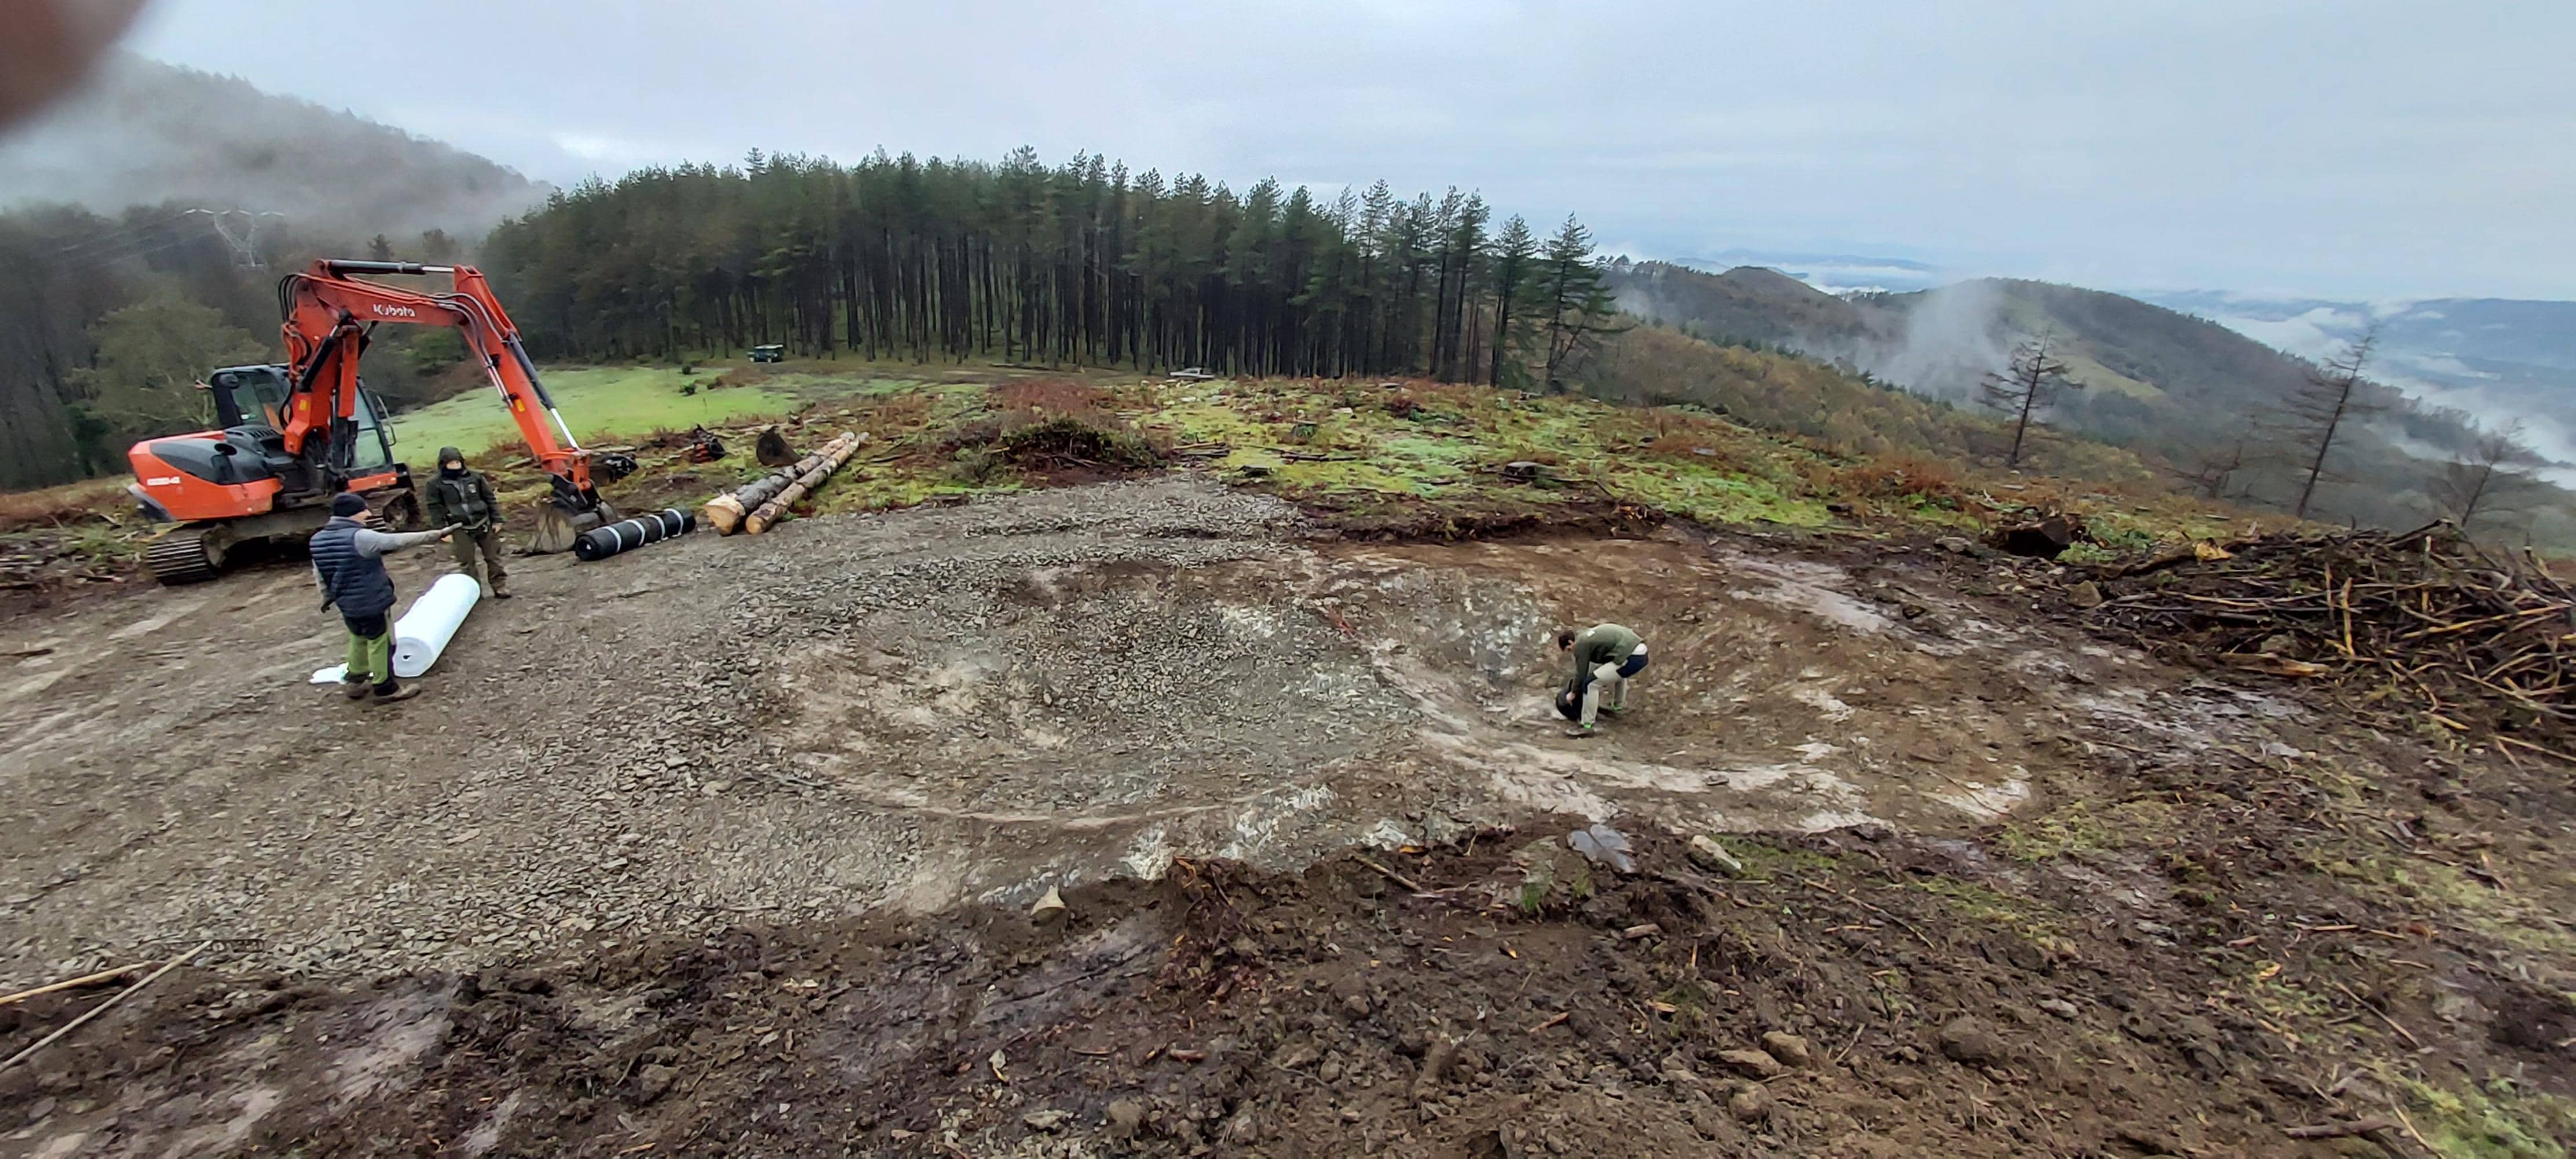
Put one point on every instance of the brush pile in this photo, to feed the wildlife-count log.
(2420, 622)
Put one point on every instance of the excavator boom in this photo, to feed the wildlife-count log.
(329, 312)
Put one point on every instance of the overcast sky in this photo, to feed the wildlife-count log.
(2337, 148)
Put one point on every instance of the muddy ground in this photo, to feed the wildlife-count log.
(726, 846)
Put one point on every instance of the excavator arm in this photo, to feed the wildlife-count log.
(329, 312)
(328, 315)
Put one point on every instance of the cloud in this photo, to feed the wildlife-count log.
(606, 150)
(2316, 334)
(2353, 150)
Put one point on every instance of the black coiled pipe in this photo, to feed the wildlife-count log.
(627, 535)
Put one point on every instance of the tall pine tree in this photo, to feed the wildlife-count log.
(1072, 264)
(1578, 308)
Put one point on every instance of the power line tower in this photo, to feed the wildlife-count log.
(240, 230)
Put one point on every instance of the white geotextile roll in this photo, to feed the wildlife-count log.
(423, 632)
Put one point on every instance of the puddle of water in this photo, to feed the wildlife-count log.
(1807, 586)
(1984, 801)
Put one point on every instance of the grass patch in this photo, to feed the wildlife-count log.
(1359, 447)
(1764, 859)
(2423, 886)
(2498, 1122)
(2076, 830)
(1406, 458)
(600, 404)
(1978, 903)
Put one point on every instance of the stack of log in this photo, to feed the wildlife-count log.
(756, 506)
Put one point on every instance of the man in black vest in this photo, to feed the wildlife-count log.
(348, 561)
(460, 497)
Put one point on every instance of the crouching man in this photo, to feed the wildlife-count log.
(1605, 656)
(348, 562)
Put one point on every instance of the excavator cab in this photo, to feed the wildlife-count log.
(238, 485)
(256, 396)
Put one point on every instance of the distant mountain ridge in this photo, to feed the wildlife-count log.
(141, 132)
(2178, 386)
(1942, 341)
(1832, 272)
(2502, 357)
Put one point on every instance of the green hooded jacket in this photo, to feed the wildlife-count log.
(462, 499)
(1598, 645)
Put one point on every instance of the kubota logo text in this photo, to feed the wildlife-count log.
(384, 311)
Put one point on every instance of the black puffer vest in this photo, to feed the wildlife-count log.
(359, 585)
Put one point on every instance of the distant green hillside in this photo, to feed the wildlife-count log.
(2177, 389)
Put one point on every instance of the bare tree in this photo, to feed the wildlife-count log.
(2488, 479)
(2331, 396)
(2213, 468)
(2025, 387)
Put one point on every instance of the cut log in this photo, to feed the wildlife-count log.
(773, 509)
(727, 513)
(724, 513)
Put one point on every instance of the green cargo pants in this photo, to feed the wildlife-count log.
(469, 544)
(371, 651)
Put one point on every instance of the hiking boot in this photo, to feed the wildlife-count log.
(500, 589)
(405, 692)
(354, 689)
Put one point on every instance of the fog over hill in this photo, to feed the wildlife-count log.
(2500, 359)
(141, 132)
(2496, 360)
(2185, 386)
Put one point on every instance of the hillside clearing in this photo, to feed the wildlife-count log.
(740, 838)
(1406, 457)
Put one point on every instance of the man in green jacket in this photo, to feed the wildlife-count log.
(1603, 654)
(460, 497)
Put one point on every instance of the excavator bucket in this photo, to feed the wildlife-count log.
(558, 527)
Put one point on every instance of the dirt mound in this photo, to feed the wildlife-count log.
(1075, 441)
(1505, 997)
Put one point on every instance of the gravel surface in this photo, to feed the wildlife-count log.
(948, 705)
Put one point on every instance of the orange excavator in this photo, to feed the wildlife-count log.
(297, 433)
